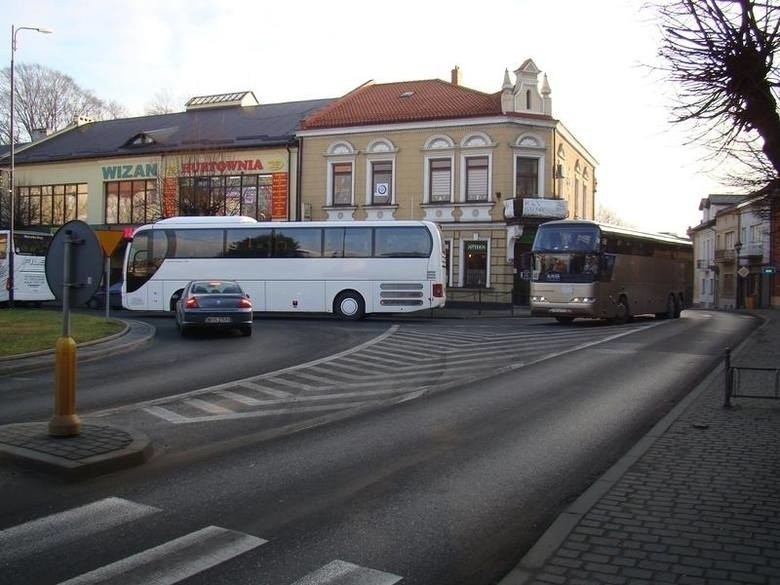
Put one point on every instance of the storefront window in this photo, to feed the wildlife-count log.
(132, 202)
(248, 195)
(50, 204)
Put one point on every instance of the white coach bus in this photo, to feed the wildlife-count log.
(593, 270)
(347, 268)
(29, 266)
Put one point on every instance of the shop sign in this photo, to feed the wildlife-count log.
(476, 247)
(201, 168)
(140, 171)
(543, 208)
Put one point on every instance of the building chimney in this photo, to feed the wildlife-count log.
(456, 76)
(39, 133)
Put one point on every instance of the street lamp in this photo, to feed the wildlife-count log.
(11, 190)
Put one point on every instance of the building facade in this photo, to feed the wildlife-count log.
(735, 252)
(224, 155)
(486, 168)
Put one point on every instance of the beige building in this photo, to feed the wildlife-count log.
(486, 168)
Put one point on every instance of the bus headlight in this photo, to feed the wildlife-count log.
(583, 300)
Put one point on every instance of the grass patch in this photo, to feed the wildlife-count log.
(26, 330)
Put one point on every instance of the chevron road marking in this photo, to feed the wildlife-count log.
(378, 368)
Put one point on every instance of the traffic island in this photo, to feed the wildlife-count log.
(96, 450)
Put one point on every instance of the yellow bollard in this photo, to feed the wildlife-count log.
(65, 422)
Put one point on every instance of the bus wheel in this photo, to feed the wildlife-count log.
(623, 313)
(349, 305)
(564, 320)
(175, 299)
(670, 308)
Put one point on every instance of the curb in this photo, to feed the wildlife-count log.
(80, 458)
(134, 334)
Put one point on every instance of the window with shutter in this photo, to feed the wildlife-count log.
(441, 180)
(477, 179)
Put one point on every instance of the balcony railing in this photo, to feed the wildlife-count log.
(752, 251)
(725, 255)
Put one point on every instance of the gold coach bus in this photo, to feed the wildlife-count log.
(593, 270)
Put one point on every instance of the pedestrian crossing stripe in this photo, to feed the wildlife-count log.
(37, 535)
(342, 572)
(174, 560)
(166, 564)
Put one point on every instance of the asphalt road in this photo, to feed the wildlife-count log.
(450, 487)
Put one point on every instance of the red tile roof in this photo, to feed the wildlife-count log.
(404, 101)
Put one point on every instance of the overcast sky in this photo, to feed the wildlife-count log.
(594, 53)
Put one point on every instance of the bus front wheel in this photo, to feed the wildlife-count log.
(622, 312)
(349, 305)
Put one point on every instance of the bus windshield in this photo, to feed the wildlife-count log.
(567, 238)
(576, 267)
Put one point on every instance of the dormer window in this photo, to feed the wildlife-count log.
(141, 139)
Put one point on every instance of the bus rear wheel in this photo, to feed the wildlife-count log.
(670, 309)
(349, 305)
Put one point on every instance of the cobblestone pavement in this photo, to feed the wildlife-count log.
(697, 503)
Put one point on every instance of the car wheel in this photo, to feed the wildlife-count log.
(92, 304)
(349, 305)
(246, 330)
(564, 320)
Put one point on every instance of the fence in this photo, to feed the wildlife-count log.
(749, 382)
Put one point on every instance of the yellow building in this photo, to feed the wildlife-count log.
(487, 168)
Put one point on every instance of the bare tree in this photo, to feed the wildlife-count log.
(163, 103)
(47, 99)
(607, 215)
(720, 54)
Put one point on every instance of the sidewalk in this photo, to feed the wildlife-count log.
(696, 501)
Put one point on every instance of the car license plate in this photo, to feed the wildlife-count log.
(218, 319)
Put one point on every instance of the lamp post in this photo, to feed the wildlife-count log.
(11, 189)
(738, 249)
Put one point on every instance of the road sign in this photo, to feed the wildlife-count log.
(109, 240)
(86, 263)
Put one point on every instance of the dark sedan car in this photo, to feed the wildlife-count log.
(98, 300)
(214, 304)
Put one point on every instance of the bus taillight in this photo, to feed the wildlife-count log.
(438, 290)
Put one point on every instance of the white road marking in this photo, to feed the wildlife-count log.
(175, 560)
(241, 398)
(205, 406)
(344, 573)
(37, 536)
